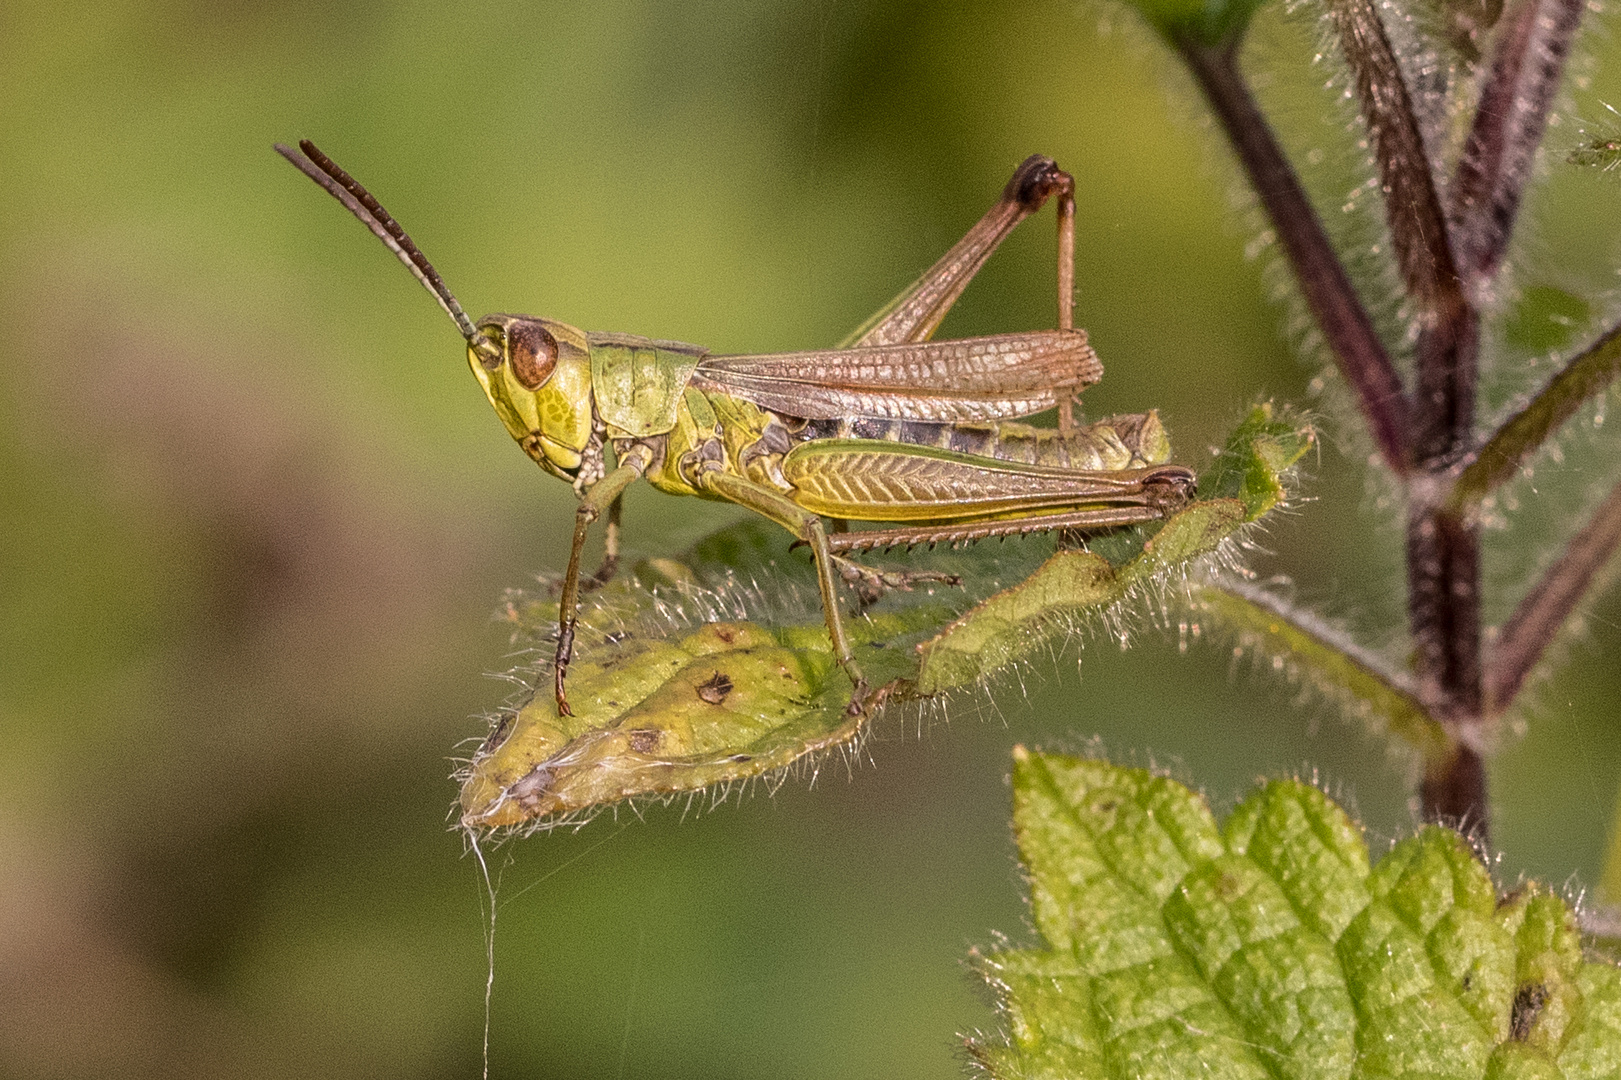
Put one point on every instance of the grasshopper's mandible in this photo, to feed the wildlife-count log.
(889, 427)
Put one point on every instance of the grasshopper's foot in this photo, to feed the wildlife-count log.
(871, 584)
(564, 653)
(858, 683)
(858, 698)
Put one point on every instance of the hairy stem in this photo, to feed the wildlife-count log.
(1537, 619)
(1453, 791)
(1448, 358)
(1443, 551)
(1443, 543)
(1443, 615)
(1448, 252)
(1447, 324)
(1510, 119)
(1443, 599)
(1358, 352)
(1412, 206)
(1585, 377)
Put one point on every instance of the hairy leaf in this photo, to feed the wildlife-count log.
(1269, 948)
(657, 715)
(716, 667)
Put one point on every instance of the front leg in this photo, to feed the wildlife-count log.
(610, 549)
(600, 496)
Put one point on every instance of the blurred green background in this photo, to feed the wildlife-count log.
(257, 516)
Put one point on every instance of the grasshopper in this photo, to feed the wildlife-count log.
(890, 427)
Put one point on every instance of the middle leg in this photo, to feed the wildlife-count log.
(807, 527)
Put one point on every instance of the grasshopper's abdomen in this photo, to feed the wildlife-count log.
(1131, 441)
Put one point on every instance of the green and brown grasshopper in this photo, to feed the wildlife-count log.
(889, 427)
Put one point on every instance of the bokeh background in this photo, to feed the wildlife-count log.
(255, 516)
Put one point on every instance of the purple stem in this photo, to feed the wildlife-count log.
(1358, 352)
(1527, 67)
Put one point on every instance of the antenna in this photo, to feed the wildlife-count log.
(347, 190)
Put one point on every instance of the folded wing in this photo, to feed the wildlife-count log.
(984, 378)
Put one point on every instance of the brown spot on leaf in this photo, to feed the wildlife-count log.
(497, 734)
(1528, 1002)
(715, 688)
(645, 740)
(725, 633)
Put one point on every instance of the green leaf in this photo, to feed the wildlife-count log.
(715, 668)
(1270, 949)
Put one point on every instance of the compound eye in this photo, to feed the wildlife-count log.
(534, 354)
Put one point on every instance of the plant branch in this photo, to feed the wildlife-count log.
(1443, 552)
(1454, 793)
(1508, 127)
(1447, 357)
(1443, 611)
(1529, 631)
(1443, 541)
(1443, 600)
(1358, 352)
(1445, 396)
(1333, 662)
(1586, 376)
(1418, 226)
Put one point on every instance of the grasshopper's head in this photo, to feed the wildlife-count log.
(537, 375)
(536, 372)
